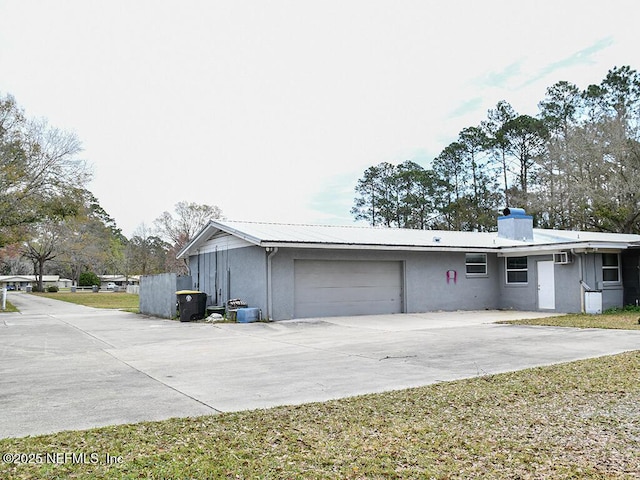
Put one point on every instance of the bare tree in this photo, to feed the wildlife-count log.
(12, 262)
(40, 173)
(189, 218)
(179, 228)
(41, 247)
(146, 253)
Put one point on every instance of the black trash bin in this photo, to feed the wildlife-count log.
(192, 305)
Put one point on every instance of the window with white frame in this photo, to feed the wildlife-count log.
(476, 264)
(610, 268)
(517, 270)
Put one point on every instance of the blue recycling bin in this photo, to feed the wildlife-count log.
(248, 315)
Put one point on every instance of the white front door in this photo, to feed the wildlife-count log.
(546, 286)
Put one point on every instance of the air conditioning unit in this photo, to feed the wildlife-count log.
(562, 258)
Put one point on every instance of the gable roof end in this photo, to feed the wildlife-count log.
(209, 230)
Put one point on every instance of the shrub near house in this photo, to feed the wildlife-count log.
(88, 279)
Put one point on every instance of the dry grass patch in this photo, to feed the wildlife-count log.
(10, 307)
(626, 320)
(116, 300)
(576, 420)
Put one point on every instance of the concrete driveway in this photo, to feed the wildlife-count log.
(66, 367)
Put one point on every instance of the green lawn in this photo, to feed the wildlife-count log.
(122, 301)
(576, 420)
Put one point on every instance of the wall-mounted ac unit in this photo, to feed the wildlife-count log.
(562, 258)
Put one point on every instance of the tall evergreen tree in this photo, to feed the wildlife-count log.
(573, 166)
(498, 141)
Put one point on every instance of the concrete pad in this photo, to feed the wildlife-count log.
(427, 320)
(274, 369)
(64, 366)
(54, 376)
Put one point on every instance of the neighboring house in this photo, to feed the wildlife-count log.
(119, 280)
(20, 282)
(297, 271)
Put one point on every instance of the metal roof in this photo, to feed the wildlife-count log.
(359, 237)
(28, 278)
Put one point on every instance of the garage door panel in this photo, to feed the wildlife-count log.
(347, 275)
(350, 280)
(330, 288)
(349, 294)
(324, 309)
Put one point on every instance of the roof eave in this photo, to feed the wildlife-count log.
(239, 233)
(580, 246)
(365, 246)
(501, 250)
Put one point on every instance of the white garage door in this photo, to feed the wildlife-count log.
(335, 288)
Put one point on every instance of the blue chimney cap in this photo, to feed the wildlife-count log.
(514, 211)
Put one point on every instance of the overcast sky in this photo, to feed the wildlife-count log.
(272, 110)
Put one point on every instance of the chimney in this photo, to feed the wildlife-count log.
(515, 225)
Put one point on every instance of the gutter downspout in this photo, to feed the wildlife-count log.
(581, 275)
(216, 278)
(198, 269)
(272, 251)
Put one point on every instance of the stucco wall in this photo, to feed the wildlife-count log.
(236, 273)
(438, 281)
(567, 282)
(567, 285)
(425, 286)
(525, 296)
(517, 296)
(631, 276)
(242, 273)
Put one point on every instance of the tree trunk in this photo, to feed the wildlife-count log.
(40, 273)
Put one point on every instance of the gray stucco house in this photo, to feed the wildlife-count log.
(297, 271)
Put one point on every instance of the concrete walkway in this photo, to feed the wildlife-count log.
(67, 367)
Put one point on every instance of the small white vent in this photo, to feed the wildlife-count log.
(562, 258)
